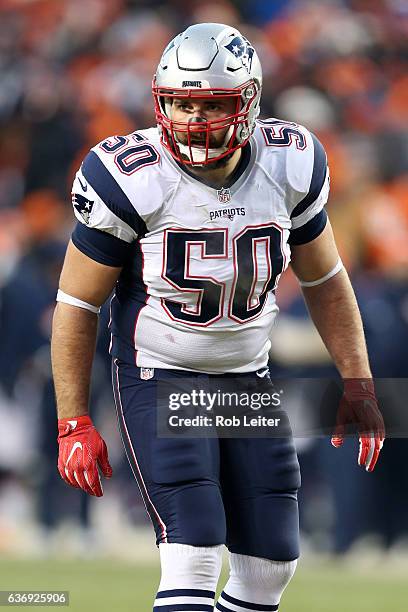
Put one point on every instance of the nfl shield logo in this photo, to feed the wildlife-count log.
(224, 195)
(146, 373)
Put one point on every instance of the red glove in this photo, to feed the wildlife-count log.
(81, 450)
(359, 406)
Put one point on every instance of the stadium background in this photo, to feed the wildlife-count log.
(75, 71)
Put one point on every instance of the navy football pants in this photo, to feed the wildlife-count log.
(241, 492)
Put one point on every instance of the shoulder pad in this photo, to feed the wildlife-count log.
(298, 161)
(137, 164)
(100, 195)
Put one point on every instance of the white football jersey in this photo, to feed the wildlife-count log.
(200, 265)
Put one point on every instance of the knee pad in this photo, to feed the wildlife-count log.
(190, 567)
(268, 579)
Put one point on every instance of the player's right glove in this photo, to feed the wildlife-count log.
(81, 450)
(359, 406)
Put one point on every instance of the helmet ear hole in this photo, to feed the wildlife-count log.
(165, 105)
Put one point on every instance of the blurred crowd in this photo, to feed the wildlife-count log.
(73, 72)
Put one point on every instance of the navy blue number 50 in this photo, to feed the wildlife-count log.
(249, 291)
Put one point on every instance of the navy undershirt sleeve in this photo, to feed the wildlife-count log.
(100, 246)
(311, 230)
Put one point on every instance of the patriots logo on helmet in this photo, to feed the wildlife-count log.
(82, 205)
(242, 49)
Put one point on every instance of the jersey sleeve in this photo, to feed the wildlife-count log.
(308, 215)
(107, 221)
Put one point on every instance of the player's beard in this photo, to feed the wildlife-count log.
(212, 144)
(215, 165)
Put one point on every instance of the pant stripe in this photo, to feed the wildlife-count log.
(132, 456)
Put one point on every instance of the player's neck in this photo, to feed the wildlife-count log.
(217, 177)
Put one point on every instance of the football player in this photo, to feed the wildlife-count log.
(192, 224)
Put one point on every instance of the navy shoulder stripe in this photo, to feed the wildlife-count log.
(318, 178)
(110, 192)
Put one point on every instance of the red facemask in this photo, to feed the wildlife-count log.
(201, 130)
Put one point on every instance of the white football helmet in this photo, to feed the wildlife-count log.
(207, 60)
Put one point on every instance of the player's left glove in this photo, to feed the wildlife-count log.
(359, 405)
(81, 450)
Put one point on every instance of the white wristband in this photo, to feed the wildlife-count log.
(323, 279)
(69, 299)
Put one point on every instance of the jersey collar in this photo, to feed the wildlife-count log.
(236, 179)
